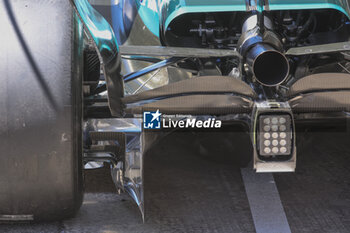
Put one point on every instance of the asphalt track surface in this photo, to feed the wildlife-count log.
(186, 192)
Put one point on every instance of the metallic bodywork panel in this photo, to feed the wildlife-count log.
(132, 169)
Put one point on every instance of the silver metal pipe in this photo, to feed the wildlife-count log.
(269, 66)
(262, 52)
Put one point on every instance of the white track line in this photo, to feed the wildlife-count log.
(265, 203)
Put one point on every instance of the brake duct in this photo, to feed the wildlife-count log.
(262, 49)
(106, 46)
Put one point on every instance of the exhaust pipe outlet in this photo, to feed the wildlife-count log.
(261, 49)
(269, 66)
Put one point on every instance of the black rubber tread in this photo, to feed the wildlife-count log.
(41, 59)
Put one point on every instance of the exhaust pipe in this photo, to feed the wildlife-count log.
(269, 66)
(261, 48)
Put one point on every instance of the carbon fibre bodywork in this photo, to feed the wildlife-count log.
(155, 80)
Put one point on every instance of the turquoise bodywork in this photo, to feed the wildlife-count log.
(98, 28)
(340, 5)
(148, 11)
(160, 13)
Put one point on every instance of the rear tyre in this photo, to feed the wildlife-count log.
(41, 49)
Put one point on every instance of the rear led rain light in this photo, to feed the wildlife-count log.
(275, 135)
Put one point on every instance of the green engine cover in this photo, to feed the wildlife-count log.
(170, 9)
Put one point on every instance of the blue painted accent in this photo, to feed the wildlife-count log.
(151, 120)
(117, 18)
(99, 29)
(148, 11)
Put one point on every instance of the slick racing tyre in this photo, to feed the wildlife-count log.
(41, 49)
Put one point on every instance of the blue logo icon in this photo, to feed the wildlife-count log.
(151, 120)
